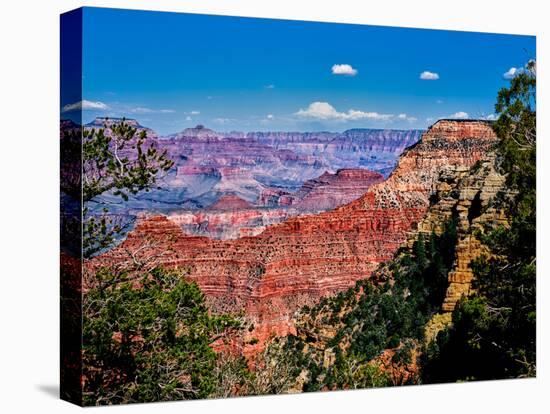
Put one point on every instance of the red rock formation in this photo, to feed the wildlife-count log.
(230, 203)
(191, 169)
(332, 190)
(294, 263)
(271, 197)
(228, 223)
(231, 216)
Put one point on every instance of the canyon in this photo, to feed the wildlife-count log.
(232, 217)
(261, 168)
(270, 275)
(467, 205)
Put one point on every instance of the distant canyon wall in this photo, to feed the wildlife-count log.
(210, 164)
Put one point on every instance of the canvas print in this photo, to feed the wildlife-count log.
(259, 206)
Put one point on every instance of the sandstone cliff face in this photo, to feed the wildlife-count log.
(294, 263)
(358, 144)
(229, 203)
(378, 140)
(469, 196)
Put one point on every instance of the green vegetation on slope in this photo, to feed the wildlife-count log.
(149, 338)
(371, 318)
(493, 334)
(147, 332)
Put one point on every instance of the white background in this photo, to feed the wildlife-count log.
(29, 137)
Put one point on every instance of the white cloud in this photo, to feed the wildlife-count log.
(188, 118)
(195, 112)
(145, 110)
(270, 116)
(405, 117)
(511, 73)
(456, 115)
(344, 69)
(222, 120)
(427, 75)
(141, 110)
(85, 105)
(459, 115)
(325, 111)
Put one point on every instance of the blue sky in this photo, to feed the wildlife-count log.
(171, 71)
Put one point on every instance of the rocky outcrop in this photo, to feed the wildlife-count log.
(469, 197)
(376, 140)
(273, 197)
(102, 122)
(466, 203)
(197, 132)
(271, 275)
(230, 203)
(221, 221)
(327, 191)
(209, 166)
(373, 149)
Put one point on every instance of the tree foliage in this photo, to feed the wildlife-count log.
(493, 334)
(115, 160)
(149, 339)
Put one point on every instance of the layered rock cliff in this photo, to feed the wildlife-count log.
(221, 221)
(271, 275)
(327, 191)
(353, 140)
(469, 197)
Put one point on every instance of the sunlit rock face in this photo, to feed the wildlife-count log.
(287, 265)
